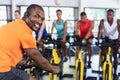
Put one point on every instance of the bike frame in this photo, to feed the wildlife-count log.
(79, 66)
(109, 64)
(55, 60)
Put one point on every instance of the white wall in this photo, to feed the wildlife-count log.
(99, 4)
(68, 3)
(5, 2)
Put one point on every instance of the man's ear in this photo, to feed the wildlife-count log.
(26, 14)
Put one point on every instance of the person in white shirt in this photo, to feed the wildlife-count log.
(109, 29)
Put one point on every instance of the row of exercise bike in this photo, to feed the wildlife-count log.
(80, 61)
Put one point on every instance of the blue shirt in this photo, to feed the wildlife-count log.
(59, 28)
(44, 32)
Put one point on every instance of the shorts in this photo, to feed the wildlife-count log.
(14, 74)
(80, 39)
(59, 45)
(112, 41)
(115, 47)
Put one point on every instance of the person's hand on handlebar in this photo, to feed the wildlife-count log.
(97, 43)
(56, 69)
(22, 63)
(63, 40)
(84, 41)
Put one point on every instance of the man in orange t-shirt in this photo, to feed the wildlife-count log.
(84, 31)
(15, 38)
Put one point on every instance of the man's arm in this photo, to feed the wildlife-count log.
(118, 23)
(90, 30)
(101, 27)
(77, 31)
(35, 55)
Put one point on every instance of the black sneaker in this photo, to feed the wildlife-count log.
(65, 59)
(89, 64)
(115, 77)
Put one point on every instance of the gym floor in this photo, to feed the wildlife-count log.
(91, 74)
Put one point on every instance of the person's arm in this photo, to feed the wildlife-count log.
(52, 28)
(77, 31)
(101, 27)
(35, 55)
(65, 31)
(41, 32)
(90, 30)
(118, 23)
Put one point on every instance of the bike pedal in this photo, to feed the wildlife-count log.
(91, 78)
(72, 66)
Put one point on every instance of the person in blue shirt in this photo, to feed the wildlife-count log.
(61, 27)
(41, 32)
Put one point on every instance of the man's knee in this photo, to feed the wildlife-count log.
(89, 41)
(32, 78)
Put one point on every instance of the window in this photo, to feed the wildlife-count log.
(117, 13)
(3, 16)
(23, 9)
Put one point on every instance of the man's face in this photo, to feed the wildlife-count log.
(35, 19)
(59, 14)
(110, 15)
(84, 18)
(17, 15)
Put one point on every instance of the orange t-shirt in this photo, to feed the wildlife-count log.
(14, 37)
(84, 27)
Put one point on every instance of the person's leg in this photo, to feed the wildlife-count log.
(89, 54)
(89, 51)
(59, 46)
(77, 51)
(103, 54)
(115, 51)
(64, 48)
(15, 74)
(58, 51)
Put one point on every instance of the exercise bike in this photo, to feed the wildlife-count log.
(107, 64)
(80, 61)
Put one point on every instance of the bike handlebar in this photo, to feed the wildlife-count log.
(107, 44)
(77, 43)
(49, 40)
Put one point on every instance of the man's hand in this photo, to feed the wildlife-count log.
(21, 63)
(84, 41)
(56, 69)
(36, 56)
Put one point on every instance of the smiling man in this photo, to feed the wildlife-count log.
(15, 38)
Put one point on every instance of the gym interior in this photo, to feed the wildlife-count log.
(71, 9)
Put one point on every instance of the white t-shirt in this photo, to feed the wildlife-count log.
(110, 31)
